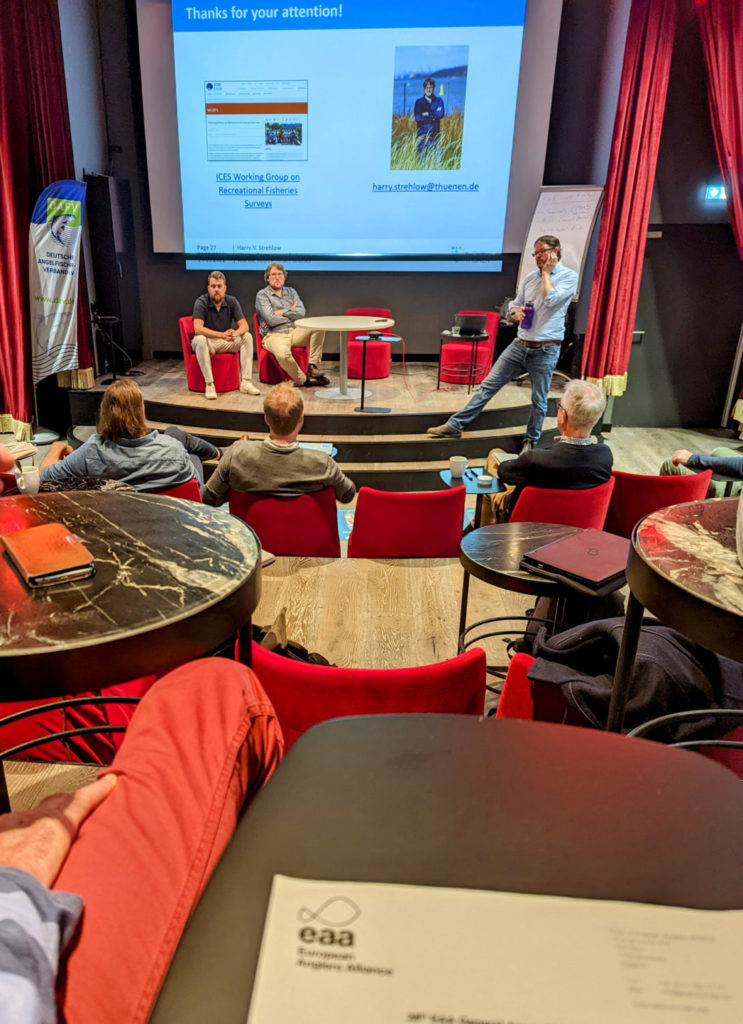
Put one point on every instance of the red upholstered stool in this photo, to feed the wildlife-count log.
(455, 357)
(225, 365)
(378, 353)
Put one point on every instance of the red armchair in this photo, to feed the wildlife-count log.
(225, 365)
(303, 695)
(304, 525)
(636, 496)
(425, 524)
(586, 508)
(269, 371)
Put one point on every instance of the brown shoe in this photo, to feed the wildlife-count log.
(443, 431)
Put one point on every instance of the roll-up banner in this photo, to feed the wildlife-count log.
(54, 255)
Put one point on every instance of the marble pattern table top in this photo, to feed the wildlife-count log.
(160, 564)
(693, 546)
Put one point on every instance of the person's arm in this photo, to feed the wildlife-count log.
(438, 108)
(420, 113)
(35, 924)
(516, 471)
(516, 308)
(207, 332)
(296, 310)
(216, 490)
(553, 294)
(241, 327)
(343, 486)
(266, 312)
(729, 466)
(7, 460)
(62, 463)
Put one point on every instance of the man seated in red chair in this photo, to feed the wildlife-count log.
(220, 326)
(575, 461)
(277, 465)
(278, 306)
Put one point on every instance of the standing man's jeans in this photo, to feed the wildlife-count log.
(539, 363)
(198, 449)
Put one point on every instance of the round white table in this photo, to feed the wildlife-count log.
(344, 324)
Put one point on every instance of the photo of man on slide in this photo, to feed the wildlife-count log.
(428, 108)
(428, 111)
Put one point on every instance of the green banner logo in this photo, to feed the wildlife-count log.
(64, 207)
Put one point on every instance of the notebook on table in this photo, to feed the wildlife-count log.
(48, 554)
(590, 559)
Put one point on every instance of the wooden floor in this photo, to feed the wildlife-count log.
(410, 388)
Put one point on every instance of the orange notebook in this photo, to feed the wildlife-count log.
(48, 554)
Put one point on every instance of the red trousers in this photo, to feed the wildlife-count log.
(202, 742)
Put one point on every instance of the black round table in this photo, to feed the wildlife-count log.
(175, 580)
(453, 800)
(683, 568)
(493, 554)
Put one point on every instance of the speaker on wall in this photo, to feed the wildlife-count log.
(108, 208)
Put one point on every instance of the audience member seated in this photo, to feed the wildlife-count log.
(124, 449)
(136, 848)
(277, 466)
(575, 461)
(726, 461)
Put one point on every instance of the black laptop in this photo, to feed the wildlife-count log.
(470, 323)
(589, 560)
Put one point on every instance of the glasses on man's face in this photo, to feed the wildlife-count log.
(538, 252)
(561, 406)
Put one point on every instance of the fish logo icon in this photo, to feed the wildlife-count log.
(337, 912)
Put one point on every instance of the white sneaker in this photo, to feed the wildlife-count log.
(211, 391)
(248, 387)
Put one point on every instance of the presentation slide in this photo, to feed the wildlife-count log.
(343, 130)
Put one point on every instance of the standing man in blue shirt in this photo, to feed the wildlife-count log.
(428, 111)
(535, 351)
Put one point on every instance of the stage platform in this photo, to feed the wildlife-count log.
(390, 451)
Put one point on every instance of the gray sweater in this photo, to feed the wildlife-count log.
(269, 468)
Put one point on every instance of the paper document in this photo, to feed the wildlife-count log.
(340, 952)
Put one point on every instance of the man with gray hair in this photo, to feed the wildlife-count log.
(576, 461)
(220, 326)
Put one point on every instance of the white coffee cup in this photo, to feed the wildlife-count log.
(457, 465)
(28, 479)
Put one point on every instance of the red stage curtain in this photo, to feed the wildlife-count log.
(35, 150)
(721, 28)
(629, 185)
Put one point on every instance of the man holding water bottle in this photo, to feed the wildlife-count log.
(539, 309)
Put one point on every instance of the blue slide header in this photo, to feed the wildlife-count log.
(344, 14)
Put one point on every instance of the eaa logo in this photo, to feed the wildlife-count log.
(327, 936)
(68, 208)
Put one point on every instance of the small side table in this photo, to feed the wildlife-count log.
(467, 373)
(469, 479)
(376, 336)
